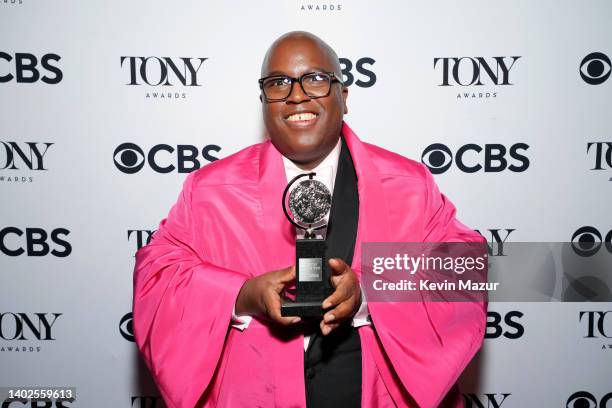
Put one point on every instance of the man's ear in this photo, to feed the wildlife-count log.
(344, 96)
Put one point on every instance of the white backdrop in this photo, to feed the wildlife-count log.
(70, 207)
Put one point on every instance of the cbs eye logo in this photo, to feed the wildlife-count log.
(584, 399)
(129, 158)
(126, 327)
(587, 241)
(595, 68)
(437, 157)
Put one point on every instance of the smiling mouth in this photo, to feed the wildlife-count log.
(304, 117)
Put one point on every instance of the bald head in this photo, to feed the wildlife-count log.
(302, 127)
(291, 42)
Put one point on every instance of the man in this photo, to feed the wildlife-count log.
(227, 251)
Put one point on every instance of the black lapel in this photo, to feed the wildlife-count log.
(344, 215)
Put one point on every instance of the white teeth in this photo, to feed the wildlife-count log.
(301, 116)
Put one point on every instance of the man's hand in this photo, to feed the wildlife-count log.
(346, 298)
(260, 296)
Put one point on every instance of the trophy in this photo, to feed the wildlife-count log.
(306, 204)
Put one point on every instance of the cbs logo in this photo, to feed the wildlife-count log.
(495, 328)
(28, 71)
(360, 67)
(130, 158)
(586, 241)
(584, 399)
(126, 327)
(471, 158)
(36, 242)
(595, 68)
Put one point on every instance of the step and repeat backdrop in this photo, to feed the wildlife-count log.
(107, 106)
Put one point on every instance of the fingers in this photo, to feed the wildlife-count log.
(338, 266)
(287, 275)
(342, 293)
(337, 316)
(270, 285)
(343, 302)
(341, 282)
(279, 279)
(346, 278)
(341, 312)
(327, 328)
(272, 303)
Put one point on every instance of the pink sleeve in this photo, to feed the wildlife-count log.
(459, 325)
(440, 222)
(429, 344)
(182, 306)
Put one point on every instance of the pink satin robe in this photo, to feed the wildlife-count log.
(228, 225)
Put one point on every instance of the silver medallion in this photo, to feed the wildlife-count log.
(309, 202)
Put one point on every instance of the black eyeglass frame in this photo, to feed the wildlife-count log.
(332, 76)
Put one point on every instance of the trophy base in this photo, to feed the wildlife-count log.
(301, 309)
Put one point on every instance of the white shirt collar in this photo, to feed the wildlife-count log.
(326, 170)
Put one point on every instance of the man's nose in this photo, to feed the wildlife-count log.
(297, 94)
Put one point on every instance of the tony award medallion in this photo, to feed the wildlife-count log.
(306, 203)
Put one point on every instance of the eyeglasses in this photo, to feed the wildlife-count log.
(277, 88)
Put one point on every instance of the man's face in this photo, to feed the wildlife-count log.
(305, 142)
